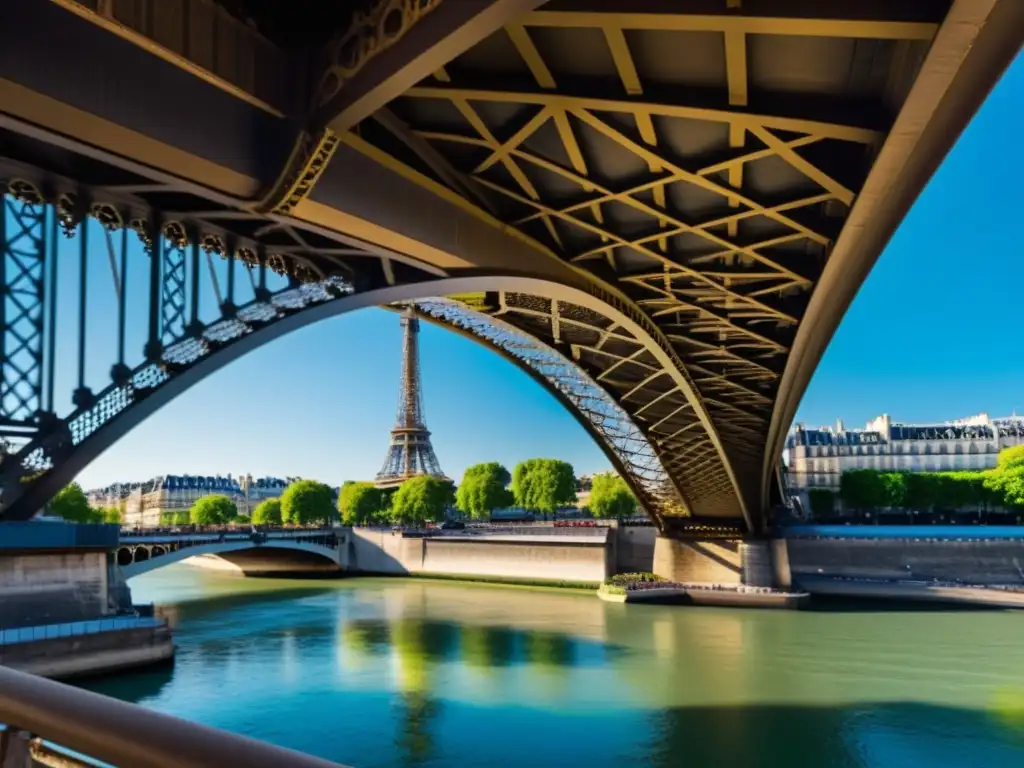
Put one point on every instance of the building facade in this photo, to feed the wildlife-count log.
(143, 505)
(818, 457)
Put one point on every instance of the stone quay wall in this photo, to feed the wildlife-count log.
(541, 558)
(51, 588)
(98, 653)
(979, 562)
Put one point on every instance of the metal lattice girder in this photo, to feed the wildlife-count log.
(23, 241)
(637, 459)
(172, 250)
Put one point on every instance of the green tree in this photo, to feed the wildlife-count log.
(267, 512)
(483, 489)
(862, 489)
(894, 489)
(611, 497)
(922, 491)
(360, 503)
(544, 485)
(214, 509)
(174, 518)
(420, 499)
(71, 504)
(1006, 481)
(110, 515)
(308, 502)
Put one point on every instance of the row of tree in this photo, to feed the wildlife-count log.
(863, 489)
(539, 485)
(304, 502)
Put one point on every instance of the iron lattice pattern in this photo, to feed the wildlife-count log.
(46, 441)
(708, 187)
(178, 341)
(22, 293)
(636, 457)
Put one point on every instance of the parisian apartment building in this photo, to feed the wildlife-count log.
(817, 457)
(143, 503)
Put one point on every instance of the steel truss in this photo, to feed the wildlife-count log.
(635, 457)
(176, 252)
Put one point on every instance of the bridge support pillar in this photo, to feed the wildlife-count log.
(711, 561)
(756, 559)
(715, 561)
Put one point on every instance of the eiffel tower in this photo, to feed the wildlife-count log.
(411, 453)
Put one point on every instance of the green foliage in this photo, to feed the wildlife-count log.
(420, 499)
(611, 497)
(862, 489)
(544, 485)
(1002, 486)
(71, 504)
(214, 509)
(175, 518)
(894, 488)
(1006, 481)
(625, 579)
(267, 512)
(110, 515)
(241, 520)
(483, 489)
(361, 503)
(823, 502)
(307, 502)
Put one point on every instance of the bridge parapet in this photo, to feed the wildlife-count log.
(140, 554)
(49, 723)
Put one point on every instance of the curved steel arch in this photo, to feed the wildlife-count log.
(632, 455)
(52, 459)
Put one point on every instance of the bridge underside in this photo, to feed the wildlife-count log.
(661, 211)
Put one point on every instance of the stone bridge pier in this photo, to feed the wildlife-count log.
(714, 551)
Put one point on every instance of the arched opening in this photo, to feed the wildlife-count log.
(157, 551)
(124, 556)
(661, 491)
(141, 554)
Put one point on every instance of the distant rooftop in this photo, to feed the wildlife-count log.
(883, 429)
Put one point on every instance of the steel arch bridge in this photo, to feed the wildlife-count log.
(667, 240)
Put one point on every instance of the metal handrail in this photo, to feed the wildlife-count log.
(128, 735)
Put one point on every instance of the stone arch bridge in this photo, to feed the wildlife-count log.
(661, 212)
(251, 552)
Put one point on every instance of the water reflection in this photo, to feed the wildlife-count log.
(488, 647)
(858, 736)
(418, 643)
(384, 673)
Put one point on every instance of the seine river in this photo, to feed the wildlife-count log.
(379, 673)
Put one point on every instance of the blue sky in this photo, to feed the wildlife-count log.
(935, 333)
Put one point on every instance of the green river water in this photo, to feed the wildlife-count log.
(377, 673)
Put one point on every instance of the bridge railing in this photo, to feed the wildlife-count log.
(49, 723)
